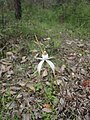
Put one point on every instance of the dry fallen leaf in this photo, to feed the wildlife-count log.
(31, 87)
(63, 68)
(69, 93)
(48, 110)
(9, 53)
(5, 62)
(14, 88)
(24, 59)
(26, 116)
(62, 101)
(46, 106)
(73, 75)
(11, 105)
(58, 82)
(12, 92)
(86, 83)
(19, 96)
(48, 83)
(71, 56)
(10, 72)
(81, 45)
(69, 42)
(21, 83)
(3, 68)
(45, 73)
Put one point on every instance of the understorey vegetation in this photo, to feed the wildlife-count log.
(44, 60)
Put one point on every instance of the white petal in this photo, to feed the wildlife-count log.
(50, 58)
(51, 65)
(45, 57)
(40, 66)
(39, 58)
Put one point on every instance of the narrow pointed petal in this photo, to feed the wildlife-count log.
(52, 66)
(40, 66)
(39, 58)
(50, 58)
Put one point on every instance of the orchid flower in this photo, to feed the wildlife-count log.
(47, 59)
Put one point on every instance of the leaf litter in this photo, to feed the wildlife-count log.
(21, 92)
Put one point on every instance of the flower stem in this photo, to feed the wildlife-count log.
(38, 43)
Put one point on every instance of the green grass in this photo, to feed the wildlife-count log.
(48, 22)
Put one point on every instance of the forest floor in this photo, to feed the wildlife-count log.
(24, 95)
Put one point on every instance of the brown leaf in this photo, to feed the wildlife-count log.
(58, 82)
(19, 96)
(12, 92)
(63, 68)
(81, 45)
(24, 59)
(11, 105)
(48, 83)
(45, 73)
(21, 83)
(73, 75)
(46, 106)
(10, 72)
(86, 83)
(72, 56)
(9, 53)
(15, 88)
(26, 116)
(3, 68)
(48, 110)
(69, 42)
(62, 101)
(31, 87)
(4, 62)
(8, 67)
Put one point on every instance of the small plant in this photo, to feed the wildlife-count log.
(45, 58)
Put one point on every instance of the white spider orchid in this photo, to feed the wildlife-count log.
(47, 59)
